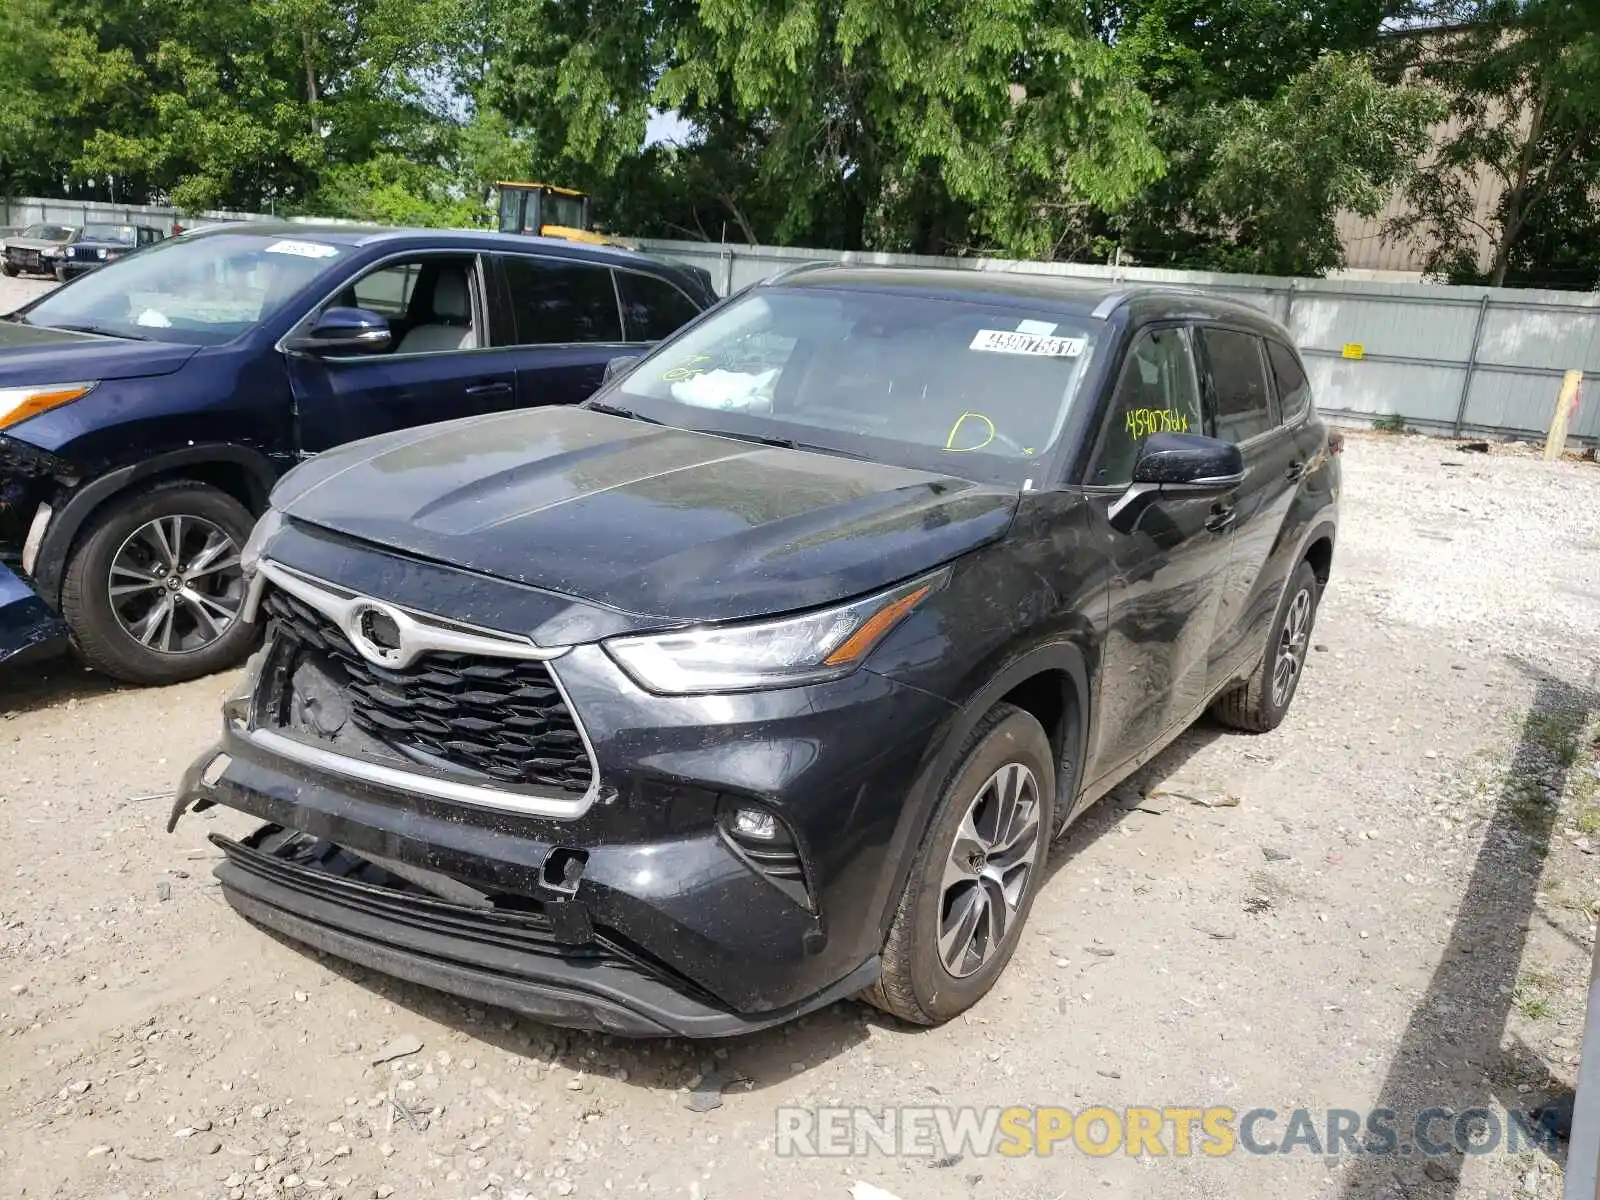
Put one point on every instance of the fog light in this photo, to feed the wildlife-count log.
(767, 845)
(754, 823)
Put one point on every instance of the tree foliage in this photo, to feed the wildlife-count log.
(1524, 81)
(1204, 133)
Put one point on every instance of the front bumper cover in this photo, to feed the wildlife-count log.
(514, 960)
(27, 626)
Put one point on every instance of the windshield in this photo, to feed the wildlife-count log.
(200, 290)
(974, 388)
(47, 233)
(120, 234)
(566, 211)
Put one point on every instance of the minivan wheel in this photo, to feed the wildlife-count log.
(154, 592)
(1260, 704)
(975, 875)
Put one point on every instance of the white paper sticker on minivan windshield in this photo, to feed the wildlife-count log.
(1005, 341)
(303, 249)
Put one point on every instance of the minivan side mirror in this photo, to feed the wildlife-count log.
(620, 365)
(1179, 464)
(343, 331)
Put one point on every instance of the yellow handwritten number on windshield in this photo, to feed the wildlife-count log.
(688, 369)
(955, 432)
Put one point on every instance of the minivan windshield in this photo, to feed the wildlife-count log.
(971, 387)
(199, 290)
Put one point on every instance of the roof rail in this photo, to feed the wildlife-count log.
(810, 265)
(1121, 296)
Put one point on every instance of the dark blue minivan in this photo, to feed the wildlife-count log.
(147, 408)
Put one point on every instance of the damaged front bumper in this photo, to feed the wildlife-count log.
(537, 950)
(28, 628)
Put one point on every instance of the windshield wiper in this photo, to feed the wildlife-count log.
(103, 332)
(613, 410)
(784, 443)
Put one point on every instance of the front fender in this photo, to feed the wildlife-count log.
(50, 565)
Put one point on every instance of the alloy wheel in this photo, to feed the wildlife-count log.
(176, 584)
(1291, 647)
(987, 872)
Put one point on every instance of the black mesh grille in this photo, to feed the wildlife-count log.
(495, 717)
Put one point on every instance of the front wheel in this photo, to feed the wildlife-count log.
(8, 270)
(975, 875)
(1260, 704)
(154, 592)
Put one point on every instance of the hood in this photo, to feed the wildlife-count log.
(22, 243)
(32, 354)
(645, 519)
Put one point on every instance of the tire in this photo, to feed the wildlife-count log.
(1256, 706)
(195, 640)
(916, 985)
(8, 269)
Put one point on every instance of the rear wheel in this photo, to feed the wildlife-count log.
(1260, 704)
(154, 592)
(975, 876)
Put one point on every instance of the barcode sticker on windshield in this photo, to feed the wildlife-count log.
(303, 249)
(1005, 341)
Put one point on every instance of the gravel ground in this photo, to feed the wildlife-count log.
(15, 292)
(1397, 912)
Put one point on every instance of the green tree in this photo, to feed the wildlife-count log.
(1524, 82)
(1257, 185)
(958, 124)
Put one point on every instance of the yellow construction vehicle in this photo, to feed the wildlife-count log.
(547, 210)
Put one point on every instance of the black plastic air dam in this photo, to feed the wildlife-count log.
(437, 947)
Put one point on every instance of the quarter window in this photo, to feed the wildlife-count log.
(557, 303)
(652, 308)
(1237, 384)
(1157, 393)
(1294, 390)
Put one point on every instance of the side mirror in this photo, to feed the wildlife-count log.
(1188, 462)
(344, 331)
(620, 365)
(1178, 464)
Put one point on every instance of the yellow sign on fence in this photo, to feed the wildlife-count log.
(1354, 350)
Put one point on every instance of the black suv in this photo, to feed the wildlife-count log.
(765, 677)
(148, 407)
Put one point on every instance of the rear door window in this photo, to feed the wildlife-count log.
(554, 302)
(1236, 382)
(652, 308)
(1294, 390)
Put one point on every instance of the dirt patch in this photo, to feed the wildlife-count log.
(1399, 912)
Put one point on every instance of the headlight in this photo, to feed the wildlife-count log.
(266, 529)
(100, 253)
(769, 654)
(19, 403)
(52, 251)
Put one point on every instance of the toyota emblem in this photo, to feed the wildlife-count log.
(376, 631)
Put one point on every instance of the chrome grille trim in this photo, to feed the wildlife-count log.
(339, 605)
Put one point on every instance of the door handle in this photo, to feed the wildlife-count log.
(488, 389)
(1295, 472)
(1221, 517)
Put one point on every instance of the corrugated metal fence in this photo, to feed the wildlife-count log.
(1453, 359)
(25, 210)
